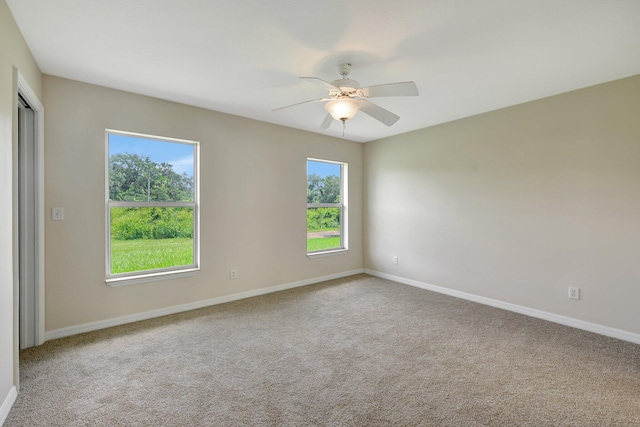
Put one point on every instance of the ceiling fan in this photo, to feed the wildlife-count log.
(346, 98)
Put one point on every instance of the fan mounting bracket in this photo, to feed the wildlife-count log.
(344, 69)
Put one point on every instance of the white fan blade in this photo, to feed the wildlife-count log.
(378, 113)
(303, 102)
(327, 122)
(391, 89)
(320, 82)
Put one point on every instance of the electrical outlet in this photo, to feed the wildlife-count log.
(233, 274)
(395, 259)
(574, 293)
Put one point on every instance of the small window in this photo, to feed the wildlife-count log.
(152, 206)
(326, 206)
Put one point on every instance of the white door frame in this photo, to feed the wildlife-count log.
(22, 87)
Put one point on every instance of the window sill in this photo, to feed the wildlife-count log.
(326, 253)
(151, 277)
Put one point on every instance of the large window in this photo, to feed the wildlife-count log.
(326, 206)
(152, 206)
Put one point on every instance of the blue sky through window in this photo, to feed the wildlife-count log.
(323, 168)
(180, 156)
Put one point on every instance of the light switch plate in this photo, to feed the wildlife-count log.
(57, 214)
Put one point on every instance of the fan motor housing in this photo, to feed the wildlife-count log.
(346, 86)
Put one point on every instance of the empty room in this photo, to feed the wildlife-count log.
(467, 252)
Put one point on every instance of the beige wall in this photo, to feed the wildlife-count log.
(253, 202)
(518, 204)
(13, 53)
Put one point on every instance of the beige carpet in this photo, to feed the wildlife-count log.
(359, 351)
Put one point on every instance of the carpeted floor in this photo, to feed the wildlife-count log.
(359, 351)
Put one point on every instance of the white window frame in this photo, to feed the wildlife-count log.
(129, 278)
(343, 206)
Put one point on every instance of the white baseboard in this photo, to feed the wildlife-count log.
(93, 326)
(7, 404)
(556, 318)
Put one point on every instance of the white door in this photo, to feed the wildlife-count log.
(27, 268)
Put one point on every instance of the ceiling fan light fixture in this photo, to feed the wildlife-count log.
(342, 108)
(346, 98)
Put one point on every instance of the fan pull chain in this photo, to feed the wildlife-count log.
(344, 124)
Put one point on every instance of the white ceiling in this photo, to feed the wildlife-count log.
(243, 57)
